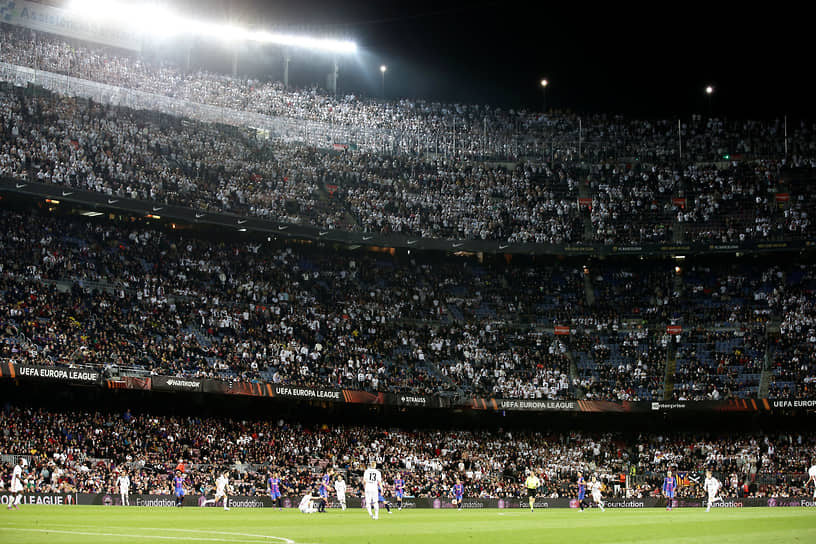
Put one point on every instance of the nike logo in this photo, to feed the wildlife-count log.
(502, 247)
(458, 245)
(66, 193)
(20, 185)
(324, 233)
(199, 215)
(113, 200)
(155, 209)
(282, 228)
(366, 238)
(242, 221)
(412, 242)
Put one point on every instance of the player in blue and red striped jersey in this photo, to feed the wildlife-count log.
(178, 488)
(669, 487)
(381, 498)
(399, 490)
(458, 492)
(581, 491)
(325, 486)
(274, 484)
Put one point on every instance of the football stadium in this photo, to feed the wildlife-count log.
(278, 273)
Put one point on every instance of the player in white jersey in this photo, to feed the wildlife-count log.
(306, 504)
(812, 478)
(712, 486)
(340, 489)
(221, 490)
(372, 480)
(123, 483)
(16, 487)
(595, 487)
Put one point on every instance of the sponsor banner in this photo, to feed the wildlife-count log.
(562, 330)
(542, 405)
(249, 389)
(68, 23)
(578, 250)
(782, 197)
(335, 395)
(262, 389)
(674, 329)
(730, 405)
(536, 405)
(55, 499)
(679, 202)
(263, 501)
(791, 403)
(50, 373)
(417, 401)
(169, 501)
(129, 382)
(167, 383)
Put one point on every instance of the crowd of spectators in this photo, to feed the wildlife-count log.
(170, 304)
(714, 365)
(164, 159)
(793, 350)
(447, 128)
(603, 197)
(161, 300)
(84, 452)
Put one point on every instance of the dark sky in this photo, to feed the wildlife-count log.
(613, 59)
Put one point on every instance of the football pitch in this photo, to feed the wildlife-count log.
(96, 524)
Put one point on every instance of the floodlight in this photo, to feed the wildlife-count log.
(709, 89)
(383, 68)
(544, 82)
(160, 21)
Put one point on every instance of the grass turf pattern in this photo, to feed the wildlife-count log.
(97, 524)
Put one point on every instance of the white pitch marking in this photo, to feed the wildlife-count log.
(264, 538)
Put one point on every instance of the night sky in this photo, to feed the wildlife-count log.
(616, 59)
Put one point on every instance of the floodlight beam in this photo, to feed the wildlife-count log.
(158, 21)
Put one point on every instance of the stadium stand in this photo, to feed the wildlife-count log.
(84, 451)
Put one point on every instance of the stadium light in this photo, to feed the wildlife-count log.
(709, 91)
(158, 20)
(544, 84)
(383, 69)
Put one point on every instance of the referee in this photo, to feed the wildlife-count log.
(532, 482)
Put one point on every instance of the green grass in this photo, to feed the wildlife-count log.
(96, 524)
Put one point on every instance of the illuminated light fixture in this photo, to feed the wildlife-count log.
(383, 68)
(91, 214)
(51, 201)
(242, 229)
(160, 21)
(544, 82)
(151, 216)
(709, 89)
